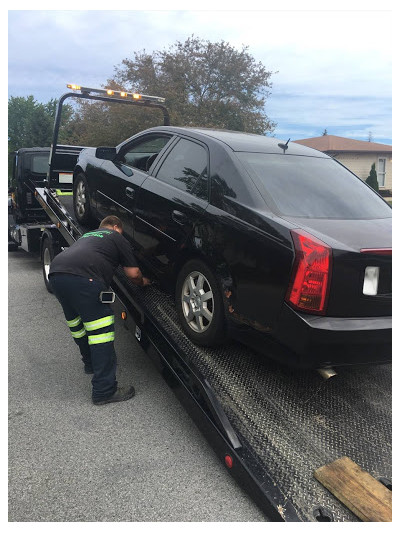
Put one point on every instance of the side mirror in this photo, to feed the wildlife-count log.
(106, 152)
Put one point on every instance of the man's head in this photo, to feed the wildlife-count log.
(112, 222)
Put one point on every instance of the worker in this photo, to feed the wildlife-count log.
(78, 276)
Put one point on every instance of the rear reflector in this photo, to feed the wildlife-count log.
(228, 461)
(312, 268)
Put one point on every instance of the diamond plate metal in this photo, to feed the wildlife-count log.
(292, 420)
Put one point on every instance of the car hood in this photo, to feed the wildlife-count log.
(349, 235)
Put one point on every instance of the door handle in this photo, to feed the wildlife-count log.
(130, 193)
(179, 217)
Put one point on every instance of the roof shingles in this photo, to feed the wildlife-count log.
(333, 143)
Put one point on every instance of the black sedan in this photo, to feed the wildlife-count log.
(276, 245)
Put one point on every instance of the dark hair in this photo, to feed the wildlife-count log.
(111, 220)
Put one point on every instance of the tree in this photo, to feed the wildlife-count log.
(372, 179)
(205, 84)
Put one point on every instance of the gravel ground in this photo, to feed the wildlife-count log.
(142, 460)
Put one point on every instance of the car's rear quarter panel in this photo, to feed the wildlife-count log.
(251, 248)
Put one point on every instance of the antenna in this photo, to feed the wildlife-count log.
(284, 146)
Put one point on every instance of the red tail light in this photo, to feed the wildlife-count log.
(312, 268)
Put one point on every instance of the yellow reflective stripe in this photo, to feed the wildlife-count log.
(100, 323)
(64, 193)
(78, 334)
(103, 337)
(75, 322)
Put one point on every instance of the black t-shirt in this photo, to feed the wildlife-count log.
(97, 254)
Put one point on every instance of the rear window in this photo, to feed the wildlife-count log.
(40, 164)
(312, 187)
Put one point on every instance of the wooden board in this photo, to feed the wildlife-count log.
(366, 497)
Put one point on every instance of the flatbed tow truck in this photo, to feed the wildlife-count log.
(272, 426)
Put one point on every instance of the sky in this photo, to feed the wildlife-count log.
(331, 69)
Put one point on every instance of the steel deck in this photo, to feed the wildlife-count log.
(291, 422)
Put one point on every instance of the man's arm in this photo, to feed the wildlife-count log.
(136, 276)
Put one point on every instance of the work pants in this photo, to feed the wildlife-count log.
(91, 324)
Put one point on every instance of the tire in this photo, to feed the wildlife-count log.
(81, 199)
(48, 255)
(199, 304)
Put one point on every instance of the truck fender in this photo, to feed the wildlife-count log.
(56, 239)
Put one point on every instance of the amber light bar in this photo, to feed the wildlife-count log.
(116, 94)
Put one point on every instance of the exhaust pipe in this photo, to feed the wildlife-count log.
(327, 373)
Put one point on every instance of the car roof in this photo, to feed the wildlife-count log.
(246, 142)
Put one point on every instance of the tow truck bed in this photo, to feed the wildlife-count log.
(277, 425)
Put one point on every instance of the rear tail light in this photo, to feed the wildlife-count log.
(312, 269)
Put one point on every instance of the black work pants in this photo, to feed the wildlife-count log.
(91, 324)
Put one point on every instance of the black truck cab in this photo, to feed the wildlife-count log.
(29, 171)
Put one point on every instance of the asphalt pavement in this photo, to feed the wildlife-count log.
(143, 460)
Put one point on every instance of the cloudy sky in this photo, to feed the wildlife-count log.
(332, 69)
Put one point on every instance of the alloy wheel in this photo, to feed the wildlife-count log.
(80, 199)
(197, 302)
(46, 262)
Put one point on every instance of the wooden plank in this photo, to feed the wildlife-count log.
(365, 496)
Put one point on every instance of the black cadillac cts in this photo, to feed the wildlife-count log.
(276, 245)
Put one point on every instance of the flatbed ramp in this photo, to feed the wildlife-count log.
(273, 426)
(289, 422)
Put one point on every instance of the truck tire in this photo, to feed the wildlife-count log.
(48, 255)
(199, 304)
(81, 199)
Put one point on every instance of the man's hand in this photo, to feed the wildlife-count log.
(136, 276)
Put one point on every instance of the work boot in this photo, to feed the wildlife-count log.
(120, 395)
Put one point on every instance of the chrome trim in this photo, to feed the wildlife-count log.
(115, 202)
(157, 229)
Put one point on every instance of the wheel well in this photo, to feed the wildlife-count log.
(56, 240)
(221, 269)
(184, 258)
(77, 170)
(46, 236)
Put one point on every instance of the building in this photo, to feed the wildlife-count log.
(358, 157)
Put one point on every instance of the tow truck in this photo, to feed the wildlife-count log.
(275, 428)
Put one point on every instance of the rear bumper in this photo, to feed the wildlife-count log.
(333, 341)
(310, 341)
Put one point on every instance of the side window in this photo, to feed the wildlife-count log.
(143, 152)
(185, 167)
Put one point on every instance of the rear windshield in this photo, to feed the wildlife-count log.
(40, 163)
(312, 187)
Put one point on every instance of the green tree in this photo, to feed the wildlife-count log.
(205, 84)
(372, 179)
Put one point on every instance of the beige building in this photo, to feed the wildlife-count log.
(358, 157)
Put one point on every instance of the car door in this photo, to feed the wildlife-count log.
(170, 202)
(121, 178)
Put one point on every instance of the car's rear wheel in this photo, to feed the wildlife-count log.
(82, 200)
(199, 304)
